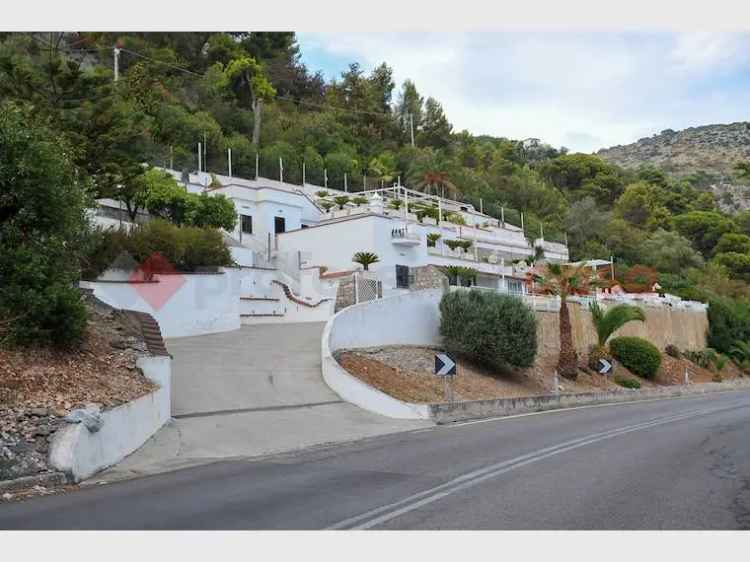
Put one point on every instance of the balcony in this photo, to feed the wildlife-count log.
(402, 237)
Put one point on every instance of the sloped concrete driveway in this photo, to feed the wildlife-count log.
(251, 392)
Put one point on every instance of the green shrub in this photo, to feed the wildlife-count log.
(639, 355)
(360, 200)
(43, 199)
(454, 244)
(489, 328)
(181, 248)
(203, 249)
(460, 275)
(728, 322)
(627, 382)
(341, 200)
(432, 239)
(322, 193)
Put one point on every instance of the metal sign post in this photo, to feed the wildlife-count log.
(445, 366)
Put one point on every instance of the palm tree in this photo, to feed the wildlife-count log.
(431, 174)
(607, 322)
(563, 281)
(365, 259)
(740, 352)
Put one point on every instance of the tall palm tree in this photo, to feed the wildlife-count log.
(564, 281)
(432, 174)
(607, 322)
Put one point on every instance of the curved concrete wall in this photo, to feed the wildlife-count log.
(81, 454)
(184, 304)
(409, 319)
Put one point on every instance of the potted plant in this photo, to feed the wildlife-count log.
(360, 200)
(341, 200)
(432, 239)
(454, 244)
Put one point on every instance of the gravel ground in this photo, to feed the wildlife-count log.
(406, 373)
(40, 386)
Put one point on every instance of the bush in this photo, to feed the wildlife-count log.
(489, 328)
(638, 355)
(728, 322)
(673, 351)
(203, 249)
(186, 248)
(627, 382)
(43, 199)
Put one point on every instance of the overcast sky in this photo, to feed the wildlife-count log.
(584, 91)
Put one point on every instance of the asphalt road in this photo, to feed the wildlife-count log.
(668, 464)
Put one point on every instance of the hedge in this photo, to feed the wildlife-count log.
(638, 355)
(180, 248)
(488, 328)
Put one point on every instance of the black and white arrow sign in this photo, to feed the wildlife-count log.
(605, 366)
(445, 365)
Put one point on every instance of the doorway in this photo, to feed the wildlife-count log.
(279, 225)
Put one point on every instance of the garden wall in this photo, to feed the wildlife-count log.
(185, 304)
(409, 319)
(80, 453)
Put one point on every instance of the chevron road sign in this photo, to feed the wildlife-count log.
(605, 366)
(445, 365)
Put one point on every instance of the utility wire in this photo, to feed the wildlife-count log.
(169, 64)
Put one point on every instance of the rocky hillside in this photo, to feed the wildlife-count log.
(712, 149)
(709, 152)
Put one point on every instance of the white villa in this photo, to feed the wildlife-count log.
(293, 246)
(278, 219)
(292, 241)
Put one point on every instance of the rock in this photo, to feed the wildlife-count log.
(90, 417)
(59, 412)
(42, 431)
(39, 412)
(7, 496)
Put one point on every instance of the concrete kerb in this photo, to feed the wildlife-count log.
(477, 409)
(79, 453)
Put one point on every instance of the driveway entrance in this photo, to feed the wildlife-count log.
(251, 392)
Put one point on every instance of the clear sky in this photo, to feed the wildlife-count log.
(584, 91)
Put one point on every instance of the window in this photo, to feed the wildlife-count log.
(247, 224)
(515, 286)
(279, 224)
(402, 277)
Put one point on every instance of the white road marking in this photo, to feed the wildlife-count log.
(387, 512)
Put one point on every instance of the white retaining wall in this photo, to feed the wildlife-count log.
(183, 305)
(81, 454)
(409, 319)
